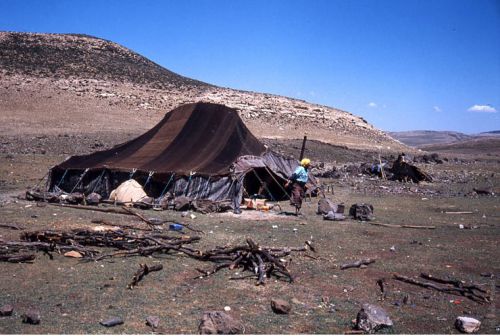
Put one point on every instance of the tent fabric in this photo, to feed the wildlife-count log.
(204, 138)
(200, 150)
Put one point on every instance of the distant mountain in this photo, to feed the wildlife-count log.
(480, 145)
(422, 138)
(71, 83)
(489, 134)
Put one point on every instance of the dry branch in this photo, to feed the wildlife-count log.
(403, 226)
(122, 226)
(357, 263)
(11, 226)
(141, 272)
(462, 291)
(263, 262)
(93, 208)
(13, 258)
(144, 219)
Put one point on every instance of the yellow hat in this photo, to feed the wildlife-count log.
(305, 162)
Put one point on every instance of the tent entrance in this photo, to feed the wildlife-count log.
(261, 181)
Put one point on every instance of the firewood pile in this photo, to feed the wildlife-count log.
(128, 243)
(263, 262)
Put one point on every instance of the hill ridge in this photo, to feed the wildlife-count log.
(90, 82)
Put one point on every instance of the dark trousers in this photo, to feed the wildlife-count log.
(298, 193)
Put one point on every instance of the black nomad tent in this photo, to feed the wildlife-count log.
(201, 150)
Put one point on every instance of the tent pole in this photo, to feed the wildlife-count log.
(303, 148)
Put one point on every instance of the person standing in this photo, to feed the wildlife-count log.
(298, 181)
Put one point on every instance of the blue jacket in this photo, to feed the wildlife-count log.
(300, 175)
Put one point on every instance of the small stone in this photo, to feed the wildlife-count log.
(111, 322)
(280, 306)
(6, 310)
(467, 325)
(31, 317)
(73, 254)
(393, 248)
(218, 322)
(153, 321)
(372, 318)
(227, 308)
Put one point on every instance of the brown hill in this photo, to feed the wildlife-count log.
(66, 83)
(479, 146)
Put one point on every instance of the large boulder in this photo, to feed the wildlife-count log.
(467, 325)
(372, 318)
(280, 306)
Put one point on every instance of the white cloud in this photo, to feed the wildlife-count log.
(372, 104)
(437, 109)
(482, 108)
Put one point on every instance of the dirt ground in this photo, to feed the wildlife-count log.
(73, 296)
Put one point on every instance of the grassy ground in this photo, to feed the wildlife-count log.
(74, 296)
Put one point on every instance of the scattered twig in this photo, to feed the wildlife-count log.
(403, 226)
(141, 272)
(466, 292)
(357, 263)
(310, 244)
(11, 226)
(93, 208)
(122, 226)
(17, 258)
(381, 285)
(454, 282)
(144, 219)
(459, 212)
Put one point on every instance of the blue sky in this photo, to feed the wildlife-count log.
(402, 65)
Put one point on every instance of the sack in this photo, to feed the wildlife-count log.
(326, 205)
(363, 212)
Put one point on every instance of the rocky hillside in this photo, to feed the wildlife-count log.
(64, 84)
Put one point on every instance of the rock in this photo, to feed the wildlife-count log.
(280, 306)
(372, 318)
(363, 212)
(93, 198)
(219, 322)
(111, 322)
(153, 321)
(467, 325)
(6, 310)
(73, 254)
(31, 317)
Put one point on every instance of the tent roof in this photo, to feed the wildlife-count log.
(203, 137)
